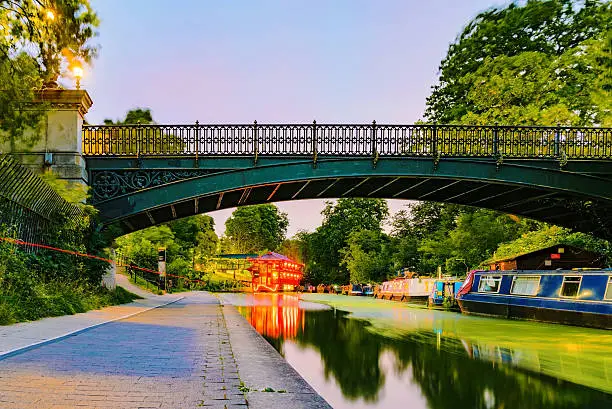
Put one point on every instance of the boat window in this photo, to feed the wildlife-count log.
(489, 284)
(608, 295)
(525, 285)
(570, 286)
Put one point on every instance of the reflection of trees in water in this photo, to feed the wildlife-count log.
(349, 353)
(447, 376)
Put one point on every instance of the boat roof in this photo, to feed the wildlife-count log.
(275, 256)
(577, 271)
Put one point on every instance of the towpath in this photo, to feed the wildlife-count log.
(189, 352)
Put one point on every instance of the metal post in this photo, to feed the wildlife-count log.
(255, 142)
(197, 143)
(557, 140)
(314, 144)
(373, 139)
(434, 140)
(138, 136)
(495, 139)
(373, 142)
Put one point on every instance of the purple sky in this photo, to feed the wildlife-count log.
(273, 61)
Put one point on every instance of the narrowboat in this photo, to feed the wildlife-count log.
(414, 288)
(368, 290)
(356, 289)
(573, 297)
(444, 289)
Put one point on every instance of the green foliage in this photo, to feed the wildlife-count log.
(196, 232)
(134, 116)
(33, 286)
(549, 236)
(429, 235)
(185, 240)
(37, 44)
(535, 88)
(255, 229)
(367, 256)
(553, 32)
(325, 245)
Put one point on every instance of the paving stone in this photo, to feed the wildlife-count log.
(152, 360)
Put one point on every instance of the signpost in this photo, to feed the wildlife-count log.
(161, 266)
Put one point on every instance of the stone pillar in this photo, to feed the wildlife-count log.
(58, 147)
(109, 279)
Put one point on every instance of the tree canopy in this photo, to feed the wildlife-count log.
(508, 63)
(340, 220)
(254, 229)
(39, 40)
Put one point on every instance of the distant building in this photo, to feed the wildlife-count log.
(275, 272)
(550, 258)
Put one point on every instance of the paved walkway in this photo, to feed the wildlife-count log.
(178, 356)
(14, 337)
(187, 354)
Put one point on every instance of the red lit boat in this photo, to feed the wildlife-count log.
(274, 272)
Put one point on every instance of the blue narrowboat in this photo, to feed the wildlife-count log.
(444, 289)
(574, 297)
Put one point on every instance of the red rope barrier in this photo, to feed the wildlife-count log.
(77, 253)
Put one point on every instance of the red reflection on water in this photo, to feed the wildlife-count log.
(276, 315)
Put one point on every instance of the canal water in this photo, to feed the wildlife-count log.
(359, 352)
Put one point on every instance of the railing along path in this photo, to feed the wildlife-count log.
(359, 140)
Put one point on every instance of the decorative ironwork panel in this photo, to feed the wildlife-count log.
(109, 184)
(348, 140)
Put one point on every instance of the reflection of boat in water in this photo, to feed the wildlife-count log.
(408, 288)
(572, 297)
(276, 315)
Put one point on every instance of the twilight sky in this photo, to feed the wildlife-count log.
(274, 61)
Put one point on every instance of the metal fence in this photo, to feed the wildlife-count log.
(29, 207)
(348, 140)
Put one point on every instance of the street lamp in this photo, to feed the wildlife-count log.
(77, 71)
(50, 15)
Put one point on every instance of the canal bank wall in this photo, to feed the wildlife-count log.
(269, 381)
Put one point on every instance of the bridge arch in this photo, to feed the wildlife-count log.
(577, 195)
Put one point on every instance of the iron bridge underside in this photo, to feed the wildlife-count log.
(141, 192)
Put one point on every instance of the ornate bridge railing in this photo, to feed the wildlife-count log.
(348, 140)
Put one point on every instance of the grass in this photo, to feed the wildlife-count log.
(144, 284)
(55, 299)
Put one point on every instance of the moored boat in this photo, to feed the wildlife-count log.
(574, 297)
(445, 289)
(412, 288)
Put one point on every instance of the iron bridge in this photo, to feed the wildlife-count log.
(142, 175)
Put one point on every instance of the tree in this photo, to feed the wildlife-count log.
(326, 243)
(253, 229)
(133, 117)
(367, 256)
(534, 88)
(547, 236)
(547, 27)
(196, 232)
(38, 41)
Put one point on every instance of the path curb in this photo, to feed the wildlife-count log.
(35, 345)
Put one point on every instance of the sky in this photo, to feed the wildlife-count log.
(340, 61)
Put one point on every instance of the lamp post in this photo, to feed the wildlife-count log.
(467, 269)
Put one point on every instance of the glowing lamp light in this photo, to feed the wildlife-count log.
(50, 15)
(77, 71)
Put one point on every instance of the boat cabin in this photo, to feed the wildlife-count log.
(275, 272)
(550, 258)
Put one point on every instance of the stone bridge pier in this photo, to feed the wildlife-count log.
(58, 140)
